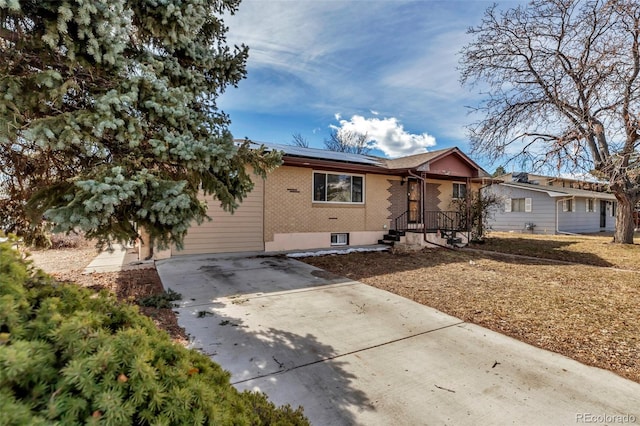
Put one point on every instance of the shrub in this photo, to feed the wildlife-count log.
(161, 300)
(70, 356)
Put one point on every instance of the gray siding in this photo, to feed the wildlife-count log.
(611, 220)
(579, 220)
(543, 211)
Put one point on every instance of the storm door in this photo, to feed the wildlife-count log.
(413, 201)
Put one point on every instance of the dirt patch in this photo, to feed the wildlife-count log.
(588, 313)
(68, 264)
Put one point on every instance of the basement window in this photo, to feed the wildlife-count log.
(340, 239)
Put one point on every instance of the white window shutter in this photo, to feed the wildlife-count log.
(507, 205)
(527, 205)
(564, 205)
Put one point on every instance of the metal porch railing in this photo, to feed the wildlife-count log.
(432, 221)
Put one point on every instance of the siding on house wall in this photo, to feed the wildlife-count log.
(226, 232)
(579, 220)
(610, 220)
(289, 207)
(451, 164)
(543, 213)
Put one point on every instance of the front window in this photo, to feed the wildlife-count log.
(337, 188)
(591, 205)
(517, 204)
(459, 190)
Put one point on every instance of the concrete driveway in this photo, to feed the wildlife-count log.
(352, 354)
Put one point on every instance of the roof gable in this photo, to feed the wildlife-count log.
(450, 161)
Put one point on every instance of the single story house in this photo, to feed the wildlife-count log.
(319, 199)
(547, 205)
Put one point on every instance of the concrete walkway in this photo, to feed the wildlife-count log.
(351, 354)
(119, 259)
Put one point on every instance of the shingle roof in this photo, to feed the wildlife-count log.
(408, 162)
(414, 161)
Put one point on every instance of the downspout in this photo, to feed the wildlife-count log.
(558, 231)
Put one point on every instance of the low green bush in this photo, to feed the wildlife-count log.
(71, 356)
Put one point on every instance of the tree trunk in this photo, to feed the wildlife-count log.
(624, 219)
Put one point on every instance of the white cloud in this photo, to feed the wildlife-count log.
(388, 135)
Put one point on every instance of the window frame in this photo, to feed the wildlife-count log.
(591, 205)
(520, 203)
(526, 202)
(455, 195)
(338, 235)
(326, 187)
(568, 205)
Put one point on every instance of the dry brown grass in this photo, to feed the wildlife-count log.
(596, 250)
(591, 314)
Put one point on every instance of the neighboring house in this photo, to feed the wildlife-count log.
(546, 205)
(320, 199)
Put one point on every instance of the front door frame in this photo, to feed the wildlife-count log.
(413, 200)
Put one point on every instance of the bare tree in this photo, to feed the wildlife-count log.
(561, 79)
(299, 140)
(349, 142)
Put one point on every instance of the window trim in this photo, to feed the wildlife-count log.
(593, 205)
(326, 172)
(527, 205)
(453, 192)
(566, 208)
(337, 235)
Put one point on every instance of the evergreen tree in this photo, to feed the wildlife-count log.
(108, 115)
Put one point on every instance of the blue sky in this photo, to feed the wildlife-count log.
(387, 68)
